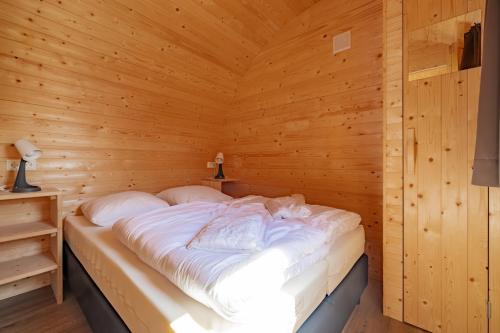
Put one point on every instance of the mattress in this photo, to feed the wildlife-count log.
(343, 255)
(148, 302)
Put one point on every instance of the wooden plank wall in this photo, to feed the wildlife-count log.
(307, 121)
(426, 12)
(393, 160)
(108, 112)
(124, 95)
(494, 268)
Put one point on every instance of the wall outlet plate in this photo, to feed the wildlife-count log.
(211, 165)
(13, 165)
(341, 42)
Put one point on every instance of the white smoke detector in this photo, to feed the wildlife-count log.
(341, 42)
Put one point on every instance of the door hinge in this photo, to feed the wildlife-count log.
(488, 309)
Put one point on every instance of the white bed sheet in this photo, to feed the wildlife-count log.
(148, 302)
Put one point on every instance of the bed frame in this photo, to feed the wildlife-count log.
(329, 317)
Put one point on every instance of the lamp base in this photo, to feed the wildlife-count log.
(21, 185)
(220, 173)
(30, 188)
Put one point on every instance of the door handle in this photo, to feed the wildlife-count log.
(410, 151)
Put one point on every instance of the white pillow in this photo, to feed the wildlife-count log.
(249, 199)
(288, 207)
(191, 193)
(239, 228)
(334, 222)
(106, 210)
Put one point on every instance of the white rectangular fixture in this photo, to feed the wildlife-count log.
(341, 42)
(211, 165)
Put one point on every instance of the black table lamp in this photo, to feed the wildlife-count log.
(28, 153)
(219, 159)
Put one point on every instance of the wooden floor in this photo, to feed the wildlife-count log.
(367, 316)
(37, 312)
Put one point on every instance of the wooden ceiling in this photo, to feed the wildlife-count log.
(228, 33)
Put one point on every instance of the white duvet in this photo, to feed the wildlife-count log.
(238, 228)
(197, 248)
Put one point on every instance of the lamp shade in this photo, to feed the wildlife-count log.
(219, 158)
(27, 150)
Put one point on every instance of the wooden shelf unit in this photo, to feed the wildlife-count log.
(30, 242)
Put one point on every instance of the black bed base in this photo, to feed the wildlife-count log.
(329, 317)
(101, 316)
(332, 314)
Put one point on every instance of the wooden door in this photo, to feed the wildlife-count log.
(445, 218)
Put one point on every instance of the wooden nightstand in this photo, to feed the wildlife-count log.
(218, 184)
(31, 242)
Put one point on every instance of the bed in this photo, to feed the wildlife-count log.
(118, 292)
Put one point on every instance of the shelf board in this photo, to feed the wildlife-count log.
(25, 230)
(225, 180)
(48, 192)
(429, 72)
(24, 267)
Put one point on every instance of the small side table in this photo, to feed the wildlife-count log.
(31, 243)
(218, 184)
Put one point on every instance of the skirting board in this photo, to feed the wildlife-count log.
(329, 317)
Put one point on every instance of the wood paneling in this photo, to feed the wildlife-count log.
(494, 250)
(410, 213)
(445, 218)
(125, 95)
(454, 200)
(477, 233)
(308, 121)
(393, 159)
(427, 12)
(428, 203)
(445, 232)
(437, 49)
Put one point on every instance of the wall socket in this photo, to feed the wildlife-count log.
(211, 165)
(341, 42)
(13, 165)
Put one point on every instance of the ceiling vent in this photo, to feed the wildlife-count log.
(341, 42)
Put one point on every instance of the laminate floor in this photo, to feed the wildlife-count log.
(367, 316)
